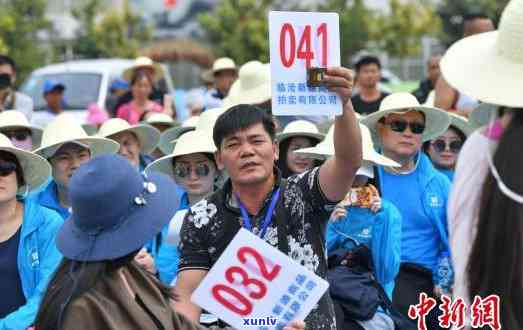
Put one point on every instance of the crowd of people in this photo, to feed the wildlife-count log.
(115, 222)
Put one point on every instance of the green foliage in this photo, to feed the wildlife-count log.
(20, 20)
(399, 32)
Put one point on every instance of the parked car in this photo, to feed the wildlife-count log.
(85, 81)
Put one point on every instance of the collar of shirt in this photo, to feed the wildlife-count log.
(217, 94)
(49, 199)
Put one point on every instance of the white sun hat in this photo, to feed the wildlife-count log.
(192, 142)
(483, 114)
(223, 63)
(325, 149)
(300, 128)
(143, 62)
(36, 169)
(15, 119)
(169, 135)
(437, 121)
(461, 123)
(489, 66)
(160, 118)
(64, 129)
(148, 136)
(253, 85)
(208, 119)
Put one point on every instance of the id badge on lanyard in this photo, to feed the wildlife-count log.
(247, 224)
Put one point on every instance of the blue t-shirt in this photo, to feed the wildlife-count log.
(448, 173)
(10, 283)
(420, 240)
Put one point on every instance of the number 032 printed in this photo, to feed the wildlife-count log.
(252, 283)
(300, 41)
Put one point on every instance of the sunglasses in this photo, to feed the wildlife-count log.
(18, 135)
(401, 125)
(182, 171)
(6, 168)
(441, 145)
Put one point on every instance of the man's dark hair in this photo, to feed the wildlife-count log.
(4, 59)
(366, 60)
(241, 117)
(473, 16)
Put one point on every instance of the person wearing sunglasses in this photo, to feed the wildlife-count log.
(444, 150)
(193, 168)
(15, 125)
(418, 190)
(28, 255)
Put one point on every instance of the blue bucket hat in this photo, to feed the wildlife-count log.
(53, 85)
(115, 209)
(119, 84)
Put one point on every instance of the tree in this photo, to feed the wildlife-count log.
(113, 34)
(20, 21)
(239, 29)
(452, 13)
(399, 33)
(355, 26)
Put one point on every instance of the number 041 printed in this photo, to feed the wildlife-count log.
(254, 284)
(300, 41)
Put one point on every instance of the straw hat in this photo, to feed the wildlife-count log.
(208, 119)
(489, 66)
(253, 85)
(147, 135)
(36, 169)
(143, 62)
(64, 129)
(161, 119)
(483, 114)
(300, 128)
(223, 63)
(189, 143)
(325, 149)
(15, 119)
(461, 123)
(436, 121)
(168, 136)
(90, 129)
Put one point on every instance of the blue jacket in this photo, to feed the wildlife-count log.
(38, 258)
(380, 232)
(435, 188)
(48, 197)
(165, 255)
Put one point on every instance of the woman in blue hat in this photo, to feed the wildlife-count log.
(28, 255)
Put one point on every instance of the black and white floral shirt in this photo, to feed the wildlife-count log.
(211, 224)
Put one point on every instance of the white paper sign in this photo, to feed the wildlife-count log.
(300, 40)
(254, 284)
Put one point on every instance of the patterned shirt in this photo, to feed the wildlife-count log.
(213, 222)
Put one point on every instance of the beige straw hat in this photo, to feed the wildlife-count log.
(300, 128)
(147, 135)
(192, 142)
(143, 62)
(64, 129)
(15, 119)
(160, 118)
(437, 121)
(36, 169)
(461, 123)
(489, 66)
(169, 135)
(223, 63)
(253, 85)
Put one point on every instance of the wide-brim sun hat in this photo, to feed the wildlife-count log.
(489, 66)
(208, 119)
(160, 119)
(300, 128)
(130, 209)
(90, 129)
(36, 169)
(483, 114)
(14, 119)
(222, 64)
(325, 149)
(143, 62)
(167, 138)
(253, 85)
(437, 121)
(461, 123)
(193, 142)
(64, 129)
(147, 135)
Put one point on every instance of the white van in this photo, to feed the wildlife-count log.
(85, 81)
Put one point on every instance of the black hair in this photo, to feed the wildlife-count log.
(241, 117)
(494, 265)
(282, 161)
(209, 156)
(473, 16)
(366, 60)
(4, 59)
(9, 157)
(72, 279)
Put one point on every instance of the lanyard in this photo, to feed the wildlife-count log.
(268, 216)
